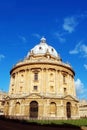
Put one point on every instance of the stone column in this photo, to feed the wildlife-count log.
(44, 81)
(30, 81)
(26, 82)
(41, 110)
(60, 83)
(56, 82)
(69, 85)
(17, 83)
(47, 81)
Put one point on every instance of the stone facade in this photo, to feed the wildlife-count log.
(3, 95)
(42, 86)
(83, 108)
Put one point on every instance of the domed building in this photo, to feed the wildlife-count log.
(42, 86)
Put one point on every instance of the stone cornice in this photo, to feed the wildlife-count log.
(21, 64)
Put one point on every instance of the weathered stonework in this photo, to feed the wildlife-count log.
(42, 86)
(3, 95)
(83, 108)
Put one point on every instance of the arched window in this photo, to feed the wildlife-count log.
(53, 108)
(13, 76)
(21, 89)
(76, 108)
(64, 79)
(7, 108)
(65, 91)
(3, 103)
(22, 78)
(17, 110)
(68, 109)
(51, 76)
(33, 109)
(12, 91)
(13, 79)
(51, 88)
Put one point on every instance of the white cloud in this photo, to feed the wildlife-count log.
(79, 86)
(1, 57)
(85, 65)
(83, 49)
(80, 48)
(80, 89)
(76, 49)
(70, 24)
(60, 37)
(22, 38)
(36, 35)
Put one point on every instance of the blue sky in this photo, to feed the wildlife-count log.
(62, 22)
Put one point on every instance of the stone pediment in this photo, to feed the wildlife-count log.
(34, 96)
(69, 97)
(7, 98)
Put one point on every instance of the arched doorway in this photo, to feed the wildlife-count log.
(68, 109)
(33, 109)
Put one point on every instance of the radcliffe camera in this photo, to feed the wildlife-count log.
(43, 62)
(42, 86)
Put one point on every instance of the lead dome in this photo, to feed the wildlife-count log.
(43, 48)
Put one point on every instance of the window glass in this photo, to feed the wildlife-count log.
(35, 76)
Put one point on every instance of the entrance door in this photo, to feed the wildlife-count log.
(33, 109)
(68, 109)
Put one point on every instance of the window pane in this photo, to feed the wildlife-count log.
(36, 76)
(35, 87)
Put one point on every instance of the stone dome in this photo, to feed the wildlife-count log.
(43, 48)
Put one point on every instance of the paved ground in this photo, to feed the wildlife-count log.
(11, 125)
